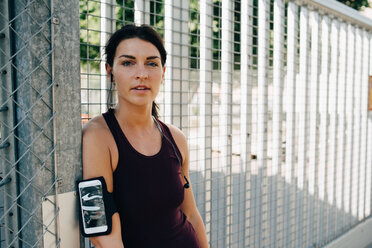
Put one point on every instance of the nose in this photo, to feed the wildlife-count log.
(142, 73)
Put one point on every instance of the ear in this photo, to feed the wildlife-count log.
(162, 77)
(110, 76)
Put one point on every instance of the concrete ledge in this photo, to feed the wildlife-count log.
(358, 237)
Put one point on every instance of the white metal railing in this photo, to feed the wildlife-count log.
(279, 132)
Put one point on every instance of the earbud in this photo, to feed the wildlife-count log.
(187, 184)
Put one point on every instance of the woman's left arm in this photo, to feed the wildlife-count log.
(192, 213)
(188, 206)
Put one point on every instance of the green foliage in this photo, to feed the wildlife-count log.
(157, 16)
(124, 12)
(355, 4)
(89, 35)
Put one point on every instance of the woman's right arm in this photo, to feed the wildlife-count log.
(97, 162)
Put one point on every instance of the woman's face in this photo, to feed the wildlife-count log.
(137, 72)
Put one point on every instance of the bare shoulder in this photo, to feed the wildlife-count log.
(98, 147)
(95, 128)
(180, 139)
(177, 134)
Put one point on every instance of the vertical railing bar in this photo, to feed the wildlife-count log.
(313, 139)
(226, 111)
(363, 135)
(107, 28)
(175, 41)
(168, 42)
(262, 96)
(183, 77)
(139, 12)
(290, 120)
(301, 87)
(368, 209)
(205, 94)
(356, 127)
(332, 109)
(278, 78)
(245, 110)
(323, 109)
(341, 104)
(88, 66)
(349, 123)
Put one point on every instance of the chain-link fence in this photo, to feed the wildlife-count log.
(27, 141)
(31, 87)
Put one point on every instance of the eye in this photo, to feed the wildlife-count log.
(153, 64)
(127, 63)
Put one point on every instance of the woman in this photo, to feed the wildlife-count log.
(138, 155)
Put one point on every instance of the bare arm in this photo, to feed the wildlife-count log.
(189, 206)
(97, 162)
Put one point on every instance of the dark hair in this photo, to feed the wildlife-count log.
(143, 32)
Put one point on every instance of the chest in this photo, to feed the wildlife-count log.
(148, 186)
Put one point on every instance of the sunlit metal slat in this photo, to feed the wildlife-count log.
(290, 96)
(363, 134)
(349, 123)
(226, 110)
(341, 105)
(263, 237)
(368, 207)
(313, 124)
(107, 28)
(332, 109)
(277, 217)
(302, 107)
(205, 94)
(356, 132)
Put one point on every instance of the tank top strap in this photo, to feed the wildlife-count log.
(167, 133)
(114, 127)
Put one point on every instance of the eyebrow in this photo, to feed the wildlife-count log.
(132, 57)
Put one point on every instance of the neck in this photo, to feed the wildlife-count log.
(135, 117)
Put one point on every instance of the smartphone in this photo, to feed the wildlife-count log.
(92, 207)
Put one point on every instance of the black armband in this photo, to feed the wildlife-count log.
(96, 207)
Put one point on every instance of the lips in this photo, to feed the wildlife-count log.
(140, 87)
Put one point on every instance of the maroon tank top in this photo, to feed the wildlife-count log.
(148, 192)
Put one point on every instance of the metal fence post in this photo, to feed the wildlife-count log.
(290, 119)
(276, 217)
(332, 108)
(177, 77)
(341, 102)
(246, 114)
(33, 116)
(356, 136)
(226, 115)
(302, 112)
(313, 125)
(67, 128)
(323, 138)
(205, 94)
(107, 25)
(8, 190)
(349, 123)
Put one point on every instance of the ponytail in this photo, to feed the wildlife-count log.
(155, 110)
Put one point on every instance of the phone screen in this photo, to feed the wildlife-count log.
(92, 206)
